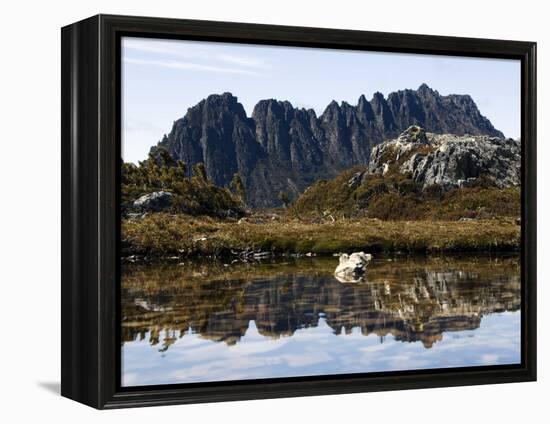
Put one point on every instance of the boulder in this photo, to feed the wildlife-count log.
(352, 267)
(156, 201)
(413, 134)
(355, 180)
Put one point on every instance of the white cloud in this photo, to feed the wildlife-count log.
(242, 60)
(216, 60)
(489, 359)
(188, 66)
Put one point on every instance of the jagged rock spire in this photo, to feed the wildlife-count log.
(284, 149)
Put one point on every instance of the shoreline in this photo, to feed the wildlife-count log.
(284, 257)
(162, 236)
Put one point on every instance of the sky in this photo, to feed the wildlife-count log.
(316, 350)
(161, 79)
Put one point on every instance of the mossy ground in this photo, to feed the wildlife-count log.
(180, 235)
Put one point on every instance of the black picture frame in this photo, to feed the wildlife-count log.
(90, 138)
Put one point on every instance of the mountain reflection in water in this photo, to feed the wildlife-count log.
(193, 321)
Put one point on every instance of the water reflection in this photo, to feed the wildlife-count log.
(214, 321)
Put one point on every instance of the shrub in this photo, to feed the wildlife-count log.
(397, 196)
(195, 196)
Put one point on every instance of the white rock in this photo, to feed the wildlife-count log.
(352, 267)
(156, 201)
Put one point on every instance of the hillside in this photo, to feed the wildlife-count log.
(420, 176)
(162, 184)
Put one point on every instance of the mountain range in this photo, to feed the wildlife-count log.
(281, 148)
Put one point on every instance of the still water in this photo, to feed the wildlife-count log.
(200, 321)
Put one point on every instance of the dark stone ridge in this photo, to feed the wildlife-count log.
(282, 148)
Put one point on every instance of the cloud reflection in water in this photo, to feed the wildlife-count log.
(411, 315)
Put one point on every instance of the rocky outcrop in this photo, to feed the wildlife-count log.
(217, 133)
(351, 268)
(448, 160)
(285, 149)
(157, 201)
(452, 114)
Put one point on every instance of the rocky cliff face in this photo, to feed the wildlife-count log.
(282, 148)
(448, 160)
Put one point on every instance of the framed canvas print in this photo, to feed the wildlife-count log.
(253, 211)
